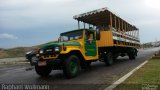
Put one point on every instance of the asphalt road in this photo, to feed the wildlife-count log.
(97, 77)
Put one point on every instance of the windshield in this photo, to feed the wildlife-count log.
(71, 35)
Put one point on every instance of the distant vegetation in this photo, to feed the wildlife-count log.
(14, 52)
(18, 51)
(151, 44)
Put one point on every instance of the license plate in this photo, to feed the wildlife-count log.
(42, 63)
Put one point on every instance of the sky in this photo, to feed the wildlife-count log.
(32, 22)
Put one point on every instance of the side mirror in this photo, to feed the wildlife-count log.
(97, 34)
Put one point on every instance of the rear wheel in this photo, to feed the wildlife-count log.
(71, 66)
(108, 59)
(132, 54)
(43, 70)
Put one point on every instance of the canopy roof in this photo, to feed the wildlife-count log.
(101, 17)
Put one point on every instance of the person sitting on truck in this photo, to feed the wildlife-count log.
(90, 38)
(109, 27)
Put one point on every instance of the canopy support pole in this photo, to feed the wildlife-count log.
(78, 25)
(110, 21)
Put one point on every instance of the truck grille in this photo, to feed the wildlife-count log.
(49, 51)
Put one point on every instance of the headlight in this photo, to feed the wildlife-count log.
(57, 49)
(41, 51)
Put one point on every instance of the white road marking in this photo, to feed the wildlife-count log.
(122, 79)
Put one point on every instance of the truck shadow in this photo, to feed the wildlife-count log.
(93, 70)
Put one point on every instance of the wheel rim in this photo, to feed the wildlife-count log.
(73, 67)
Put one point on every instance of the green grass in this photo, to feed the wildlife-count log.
(146, 77)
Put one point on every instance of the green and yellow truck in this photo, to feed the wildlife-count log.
(103, 37)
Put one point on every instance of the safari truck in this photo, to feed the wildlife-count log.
(101, 36)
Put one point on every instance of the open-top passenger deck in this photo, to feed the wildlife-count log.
(114, 31)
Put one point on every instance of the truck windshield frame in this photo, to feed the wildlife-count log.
(72, 35)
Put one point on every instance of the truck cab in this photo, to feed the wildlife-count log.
(74, 50)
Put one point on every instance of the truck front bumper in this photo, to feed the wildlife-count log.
(54, 63)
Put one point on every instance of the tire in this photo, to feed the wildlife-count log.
(132, 54)
(43, 71)
(71, 66)
(108, 59)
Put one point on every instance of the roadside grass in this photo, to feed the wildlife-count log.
(146, 78)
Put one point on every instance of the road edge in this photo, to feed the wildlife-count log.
(122, 79)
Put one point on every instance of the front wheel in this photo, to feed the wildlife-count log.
(43, 70)
(71, 66)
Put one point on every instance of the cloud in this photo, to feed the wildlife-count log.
(8, 36)
(51, 17)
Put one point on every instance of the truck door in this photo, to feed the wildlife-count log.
(90, 43)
